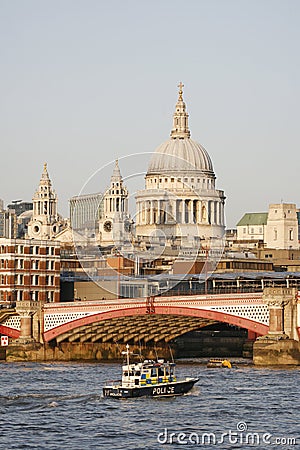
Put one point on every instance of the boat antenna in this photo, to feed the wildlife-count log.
(127, 354)
(171, 354)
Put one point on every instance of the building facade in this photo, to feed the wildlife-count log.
(252, 227)
(180, 201)
(85, 210)
(282, 227)
(29, 270)
(8, 224)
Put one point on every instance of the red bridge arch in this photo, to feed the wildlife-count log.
(248, 324)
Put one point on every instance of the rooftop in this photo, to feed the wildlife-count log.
(253, 219)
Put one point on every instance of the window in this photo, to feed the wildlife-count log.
(252, 230)
(47, 265)
(172, 180)
(244, 230)
(35, 264)
(260, 230)
(291, 235)
(34, 280)
(49, 280)
(275, 235)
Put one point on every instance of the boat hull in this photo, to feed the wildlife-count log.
(156, 390)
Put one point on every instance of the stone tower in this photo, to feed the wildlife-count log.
(115, 223)
(45, 222)
(282, 226)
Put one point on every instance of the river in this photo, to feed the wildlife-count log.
(59, 406)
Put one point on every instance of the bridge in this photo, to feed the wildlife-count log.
(272, 318)
(125, 320)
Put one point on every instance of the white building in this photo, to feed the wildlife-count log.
(252, 227)
(276, 229)
(180, 203)
(282, 227)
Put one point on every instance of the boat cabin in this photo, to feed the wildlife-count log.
(148, 372)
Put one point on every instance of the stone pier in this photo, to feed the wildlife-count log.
(281, 345)
(28, 332)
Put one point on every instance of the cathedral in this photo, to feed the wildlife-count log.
(179, 207)
(180, 204)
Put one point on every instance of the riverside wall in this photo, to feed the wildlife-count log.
(80, 352)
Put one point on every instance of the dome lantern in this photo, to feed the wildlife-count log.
(180, 118)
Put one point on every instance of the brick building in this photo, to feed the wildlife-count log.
(29, 270)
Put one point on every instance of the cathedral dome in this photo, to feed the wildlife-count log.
(179, 156)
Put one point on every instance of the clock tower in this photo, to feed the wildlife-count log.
(115, 225)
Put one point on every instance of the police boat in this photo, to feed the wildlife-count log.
(148, 378)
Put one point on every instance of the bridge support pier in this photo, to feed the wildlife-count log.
(26, 311)
(281, 345)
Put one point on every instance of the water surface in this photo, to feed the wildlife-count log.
(60, 406)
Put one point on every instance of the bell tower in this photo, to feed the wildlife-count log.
(45, 220)
(115, 223)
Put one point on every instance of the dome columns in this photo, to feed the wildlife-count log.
(182, 211)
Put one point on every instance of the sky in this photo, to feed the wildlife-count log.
(85, 82)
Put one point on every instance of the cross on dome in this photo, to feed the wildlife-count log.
(180, 85)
